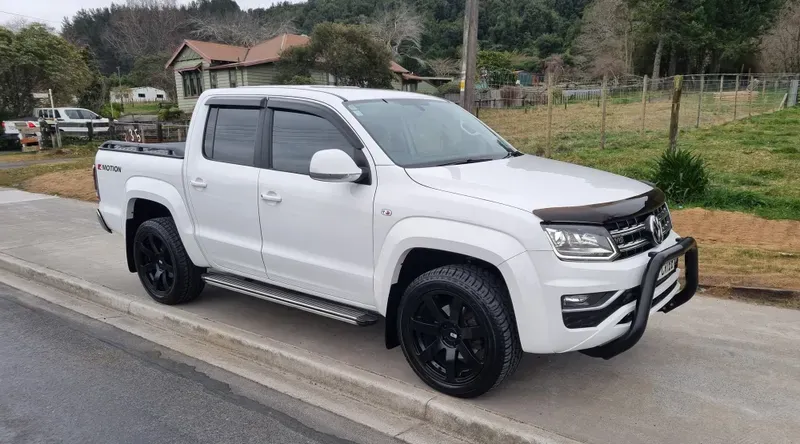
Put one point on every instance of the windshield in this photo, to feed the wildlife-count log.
(422, 133)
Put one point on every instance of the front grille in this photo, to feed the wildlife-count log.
(629, 233)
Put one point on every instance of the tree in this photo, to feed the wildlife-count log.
(346, 52)
(145, 27)
(605, 39)
(780, 49)
(150, 71)
(400, 29)
(444, 67)
(240, 28)
(33, 60)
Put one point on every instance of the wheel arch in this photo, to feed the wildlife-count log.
(443, 243)
(149, 198)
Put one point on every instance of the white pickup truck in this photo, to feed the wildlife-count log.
(362, 205)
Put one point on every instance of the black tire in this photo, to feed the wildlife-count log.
(164, 268)
(481, 339)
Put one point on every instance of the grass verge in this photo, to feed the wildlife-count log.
(753, 163)
(87, 149)
(18, 177)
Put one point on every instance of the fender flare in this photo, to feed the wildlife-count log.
(167, 195)
(476, 241)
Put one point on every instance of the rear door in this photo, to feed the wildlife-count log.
(223, 184)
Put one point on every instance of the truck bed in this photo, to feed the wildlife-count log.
(169, 149)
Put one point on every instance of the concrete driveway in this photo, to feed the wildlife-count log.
(712, 371)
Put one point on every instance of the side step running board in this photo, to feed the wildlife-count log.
(311, 304)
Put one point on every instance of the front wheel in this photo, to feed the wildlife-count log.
(457, 330)
(165, 269)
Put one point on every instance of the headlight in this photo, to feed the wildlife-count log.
(581, 242)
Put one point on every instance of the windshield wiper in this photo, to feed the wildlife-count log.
(468, 160)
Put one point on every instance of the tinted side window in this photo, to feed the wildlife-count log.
(297, 136)
(231, 135)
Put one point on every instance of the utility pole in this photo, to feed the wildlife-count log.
(119, 92)
(469, 55)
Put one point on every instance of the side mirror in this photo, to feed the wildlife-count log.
(333, 166)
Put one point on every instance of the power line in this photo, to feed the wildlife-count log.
(29, 17)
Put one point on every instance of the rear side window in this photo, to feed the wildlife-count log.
(297, 136)
(231, 135)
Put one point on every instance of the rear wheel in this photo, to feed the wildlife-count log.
(164, 267)
(457, 330)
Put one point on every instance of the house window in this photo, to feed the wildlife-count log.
(192, 83)
(140, 95)
(232, 78)
(213, 78)
(159, 96)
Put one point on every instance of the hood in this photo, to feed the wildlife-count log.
(529, 182)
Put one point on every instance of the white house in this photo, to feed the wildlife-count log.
(138, 94)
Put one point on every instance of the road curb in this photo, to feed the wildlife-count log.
(453, 416)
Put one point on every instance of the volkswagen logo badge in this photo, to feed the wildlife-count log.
(656, 230)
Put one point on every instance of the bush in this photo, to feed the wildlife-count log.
(170, 114)
(681, 175)
(453, 87)
(112, 110)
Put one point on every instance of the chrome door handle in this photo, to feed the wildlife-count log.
(271, 197)
(198, 183)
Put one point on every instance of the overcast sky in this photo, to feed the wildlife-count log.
(52, 12)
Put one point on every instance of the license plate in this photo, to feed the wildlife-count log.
(667, 268)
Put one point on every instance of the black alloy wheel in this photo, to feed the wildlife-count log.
(457, 330)
(447, 338)
(165, 269)
(157, 264)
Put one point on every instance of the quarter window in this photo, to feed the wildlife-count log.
(297, 136)
(231, 135)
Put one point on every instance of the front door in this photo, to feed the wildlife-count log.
(317, 236)
(223, 189)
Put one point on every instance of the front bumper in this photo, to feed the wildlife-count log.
(686, 247)
(538, 279)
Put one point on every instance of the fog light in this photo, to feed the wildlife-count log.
(587, 300)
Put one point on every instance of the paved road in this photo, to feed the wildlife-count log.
(24, 163)
(712, 371)
(66, 378)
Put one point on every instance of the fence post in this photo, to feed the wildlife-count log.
(674, 118)
(721, 89)
(700, 99)
(794, 85)
(764, 90)
(603, 98)
(749, 95)
(159, 132)
(549, 114)
(90, 130)
(644, 101)
(736, 96)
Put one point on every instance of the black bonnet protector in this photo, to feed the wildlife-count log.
(600, 214)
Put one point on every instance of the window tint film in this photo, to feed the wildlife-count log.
(297, 136)
(234, 135)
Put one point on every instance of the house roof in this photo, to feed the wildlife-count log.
(270, 50)
(211, 51)
(397, 68)
(265, 52)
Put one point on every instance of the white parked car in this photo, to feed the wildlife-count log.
(73, 121)
(361, 204)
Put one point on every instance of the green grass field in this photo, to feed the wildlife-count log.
(141, 108)
(754, 163)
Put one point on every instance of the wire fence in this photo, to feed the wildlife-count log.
(586, 113)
